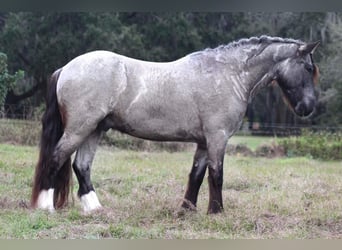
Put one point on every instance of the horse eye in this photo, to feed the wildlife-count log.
(309, 68)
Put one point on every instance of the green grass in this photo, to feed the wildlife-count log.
(142, 191)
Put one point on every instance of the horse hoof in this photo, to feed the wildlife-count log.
(45, 200)
(90, 202)
(215, 210)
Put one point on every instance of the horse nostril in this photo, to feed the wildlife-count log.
(305, 108)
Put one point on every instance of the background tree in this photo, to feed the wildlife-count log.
(331, 83)
(7, 80)
(39, 43)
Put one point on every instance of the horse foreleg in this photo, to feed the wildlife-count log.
(82, 165)
(216, 150)
(195, 177)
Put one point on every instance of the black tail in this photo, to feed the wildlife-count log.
(52, 131)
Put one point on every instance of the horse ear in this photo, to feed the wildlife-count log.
(308, 48)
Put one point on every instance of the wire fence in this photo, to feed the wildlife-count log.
(29, 116)
(286, 129)
(21, 112)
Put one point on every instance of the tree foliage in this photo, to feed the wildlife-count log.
(40, 43)
(331, 84)
(7, 80)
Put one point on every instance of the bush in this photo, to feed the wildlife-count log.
(319, 145)
(7, 80)
(21, 132)
(270, 150)
(240, 150)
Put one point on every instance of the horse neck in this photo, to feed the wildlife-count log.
(256, 67)
(261, 72)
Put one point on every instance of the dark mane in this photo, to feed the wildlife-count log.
(256, 40)
(262, 40)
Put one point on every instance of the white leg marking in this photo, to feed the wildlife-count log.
(45, 200)
(90, 201)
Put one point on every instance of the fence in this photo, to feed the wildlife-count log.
(24, 112)
(21, 125)
(283, 129)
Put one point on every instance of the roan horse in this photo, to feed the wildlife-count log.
(199, 98)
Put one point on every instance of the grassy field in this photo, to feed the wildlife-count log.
(142, 191)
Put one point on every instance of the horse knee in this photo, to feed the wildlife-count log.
(216, 176)
(197, 173)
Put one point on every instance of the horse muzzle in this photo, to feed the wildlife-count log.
(305, 108)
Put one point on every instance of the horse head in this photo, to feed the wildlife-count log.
(296, 76)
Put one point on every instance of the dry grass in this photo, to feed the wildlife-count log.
(142, 191)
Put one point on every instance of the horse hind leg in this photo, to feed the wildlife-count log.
(82, 168)
(55, 177)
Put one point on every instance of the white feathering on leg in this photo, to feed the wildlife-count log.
(90, 202)
(45, 200)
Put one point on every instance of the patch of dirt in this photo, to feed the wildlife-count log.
(86, 231)
(9, 203)
(271, 224)
(330, 228)
(267, 150)
(270, 151)
(240, 150)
